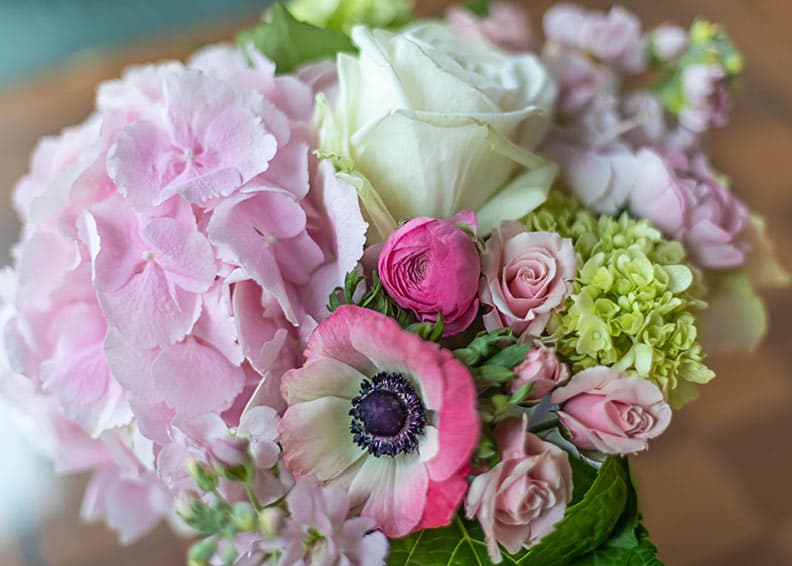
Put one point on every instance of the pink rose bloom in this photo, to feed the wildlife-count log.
(604, 409)
(525, 277)
(400, 469)
(430, 267)
(542, 369)
(506, 26)
(520, 500)
(707, 98)
(681, 195)
(613, 37)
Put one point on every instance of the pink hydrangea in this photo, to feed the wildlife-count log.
(357, 419)
(707, 97)
(158, 291)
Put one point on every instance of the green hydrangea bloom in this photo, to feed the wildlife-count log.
(342, 15)
(633, 301)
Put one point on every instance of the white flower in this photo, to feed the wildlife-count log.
(438, 123)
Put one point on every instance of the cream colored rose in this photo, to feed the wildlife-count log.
(438, 123)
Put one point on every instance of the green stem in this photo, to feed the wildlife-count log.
(252, 496)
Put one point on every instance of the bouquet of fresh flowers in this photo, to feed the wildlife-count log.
(366, 289)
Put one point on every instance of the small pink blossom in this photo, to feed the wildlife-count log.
(521, 499)
(669, 42)
(430, 267)
(321, 516)
(542, 370)
(405, 474)
(682, 196)
(580, 79)
(613, 37)
(506, 26)
(526, 276)
(604, 409)
(707, 97)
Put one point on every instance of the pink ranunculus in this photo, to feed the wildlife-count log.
(542, 369)
(506, 26)
(526, 276)
(521, 499)
(430, 267)
(400, 468)
(613, 37)
(707, 97)
(682, 196)
(604, 409)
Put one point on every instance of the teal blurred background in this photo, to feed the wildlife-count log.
(36, 35)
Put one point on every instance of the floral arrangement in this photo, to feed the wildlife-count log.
(365, 289)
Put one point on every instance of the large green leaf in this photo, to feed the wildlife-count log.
(585, 527)
(453, 545)
(290, 43)
(629, 544)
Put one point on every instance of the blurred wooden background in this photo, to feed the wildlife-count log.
(716, 487)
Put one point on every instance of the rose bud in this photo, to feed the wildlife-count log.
(542, 369)
(610, 411)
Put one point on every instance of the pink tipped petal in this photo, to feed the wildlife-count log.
(397, 489)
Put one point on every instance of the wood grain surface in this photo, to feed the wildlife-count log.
(716, 487)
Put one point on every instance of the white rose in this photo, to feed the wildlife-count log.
(438, 123)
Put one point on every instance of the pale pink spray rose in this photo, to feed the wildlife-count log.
(542, 370)
(506, 26)
(604, 409)
(525, 277)
(430, 267)
(521, 499)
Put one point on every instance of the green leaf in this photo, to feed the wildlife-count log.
(629, 544)
(583, 477)
(453, 545)
(480, 8)
(586, 525)
(290, 43)
(510, 356)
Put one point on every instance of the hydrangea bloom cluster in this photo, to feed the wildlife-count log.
(634, 300)
(343, 294)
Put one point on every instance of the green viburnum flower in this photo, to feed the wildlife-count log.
(633, 301)
(341, 15)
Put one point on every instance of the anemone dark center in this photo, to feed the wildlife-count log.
(388, 416)
(383, 413)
